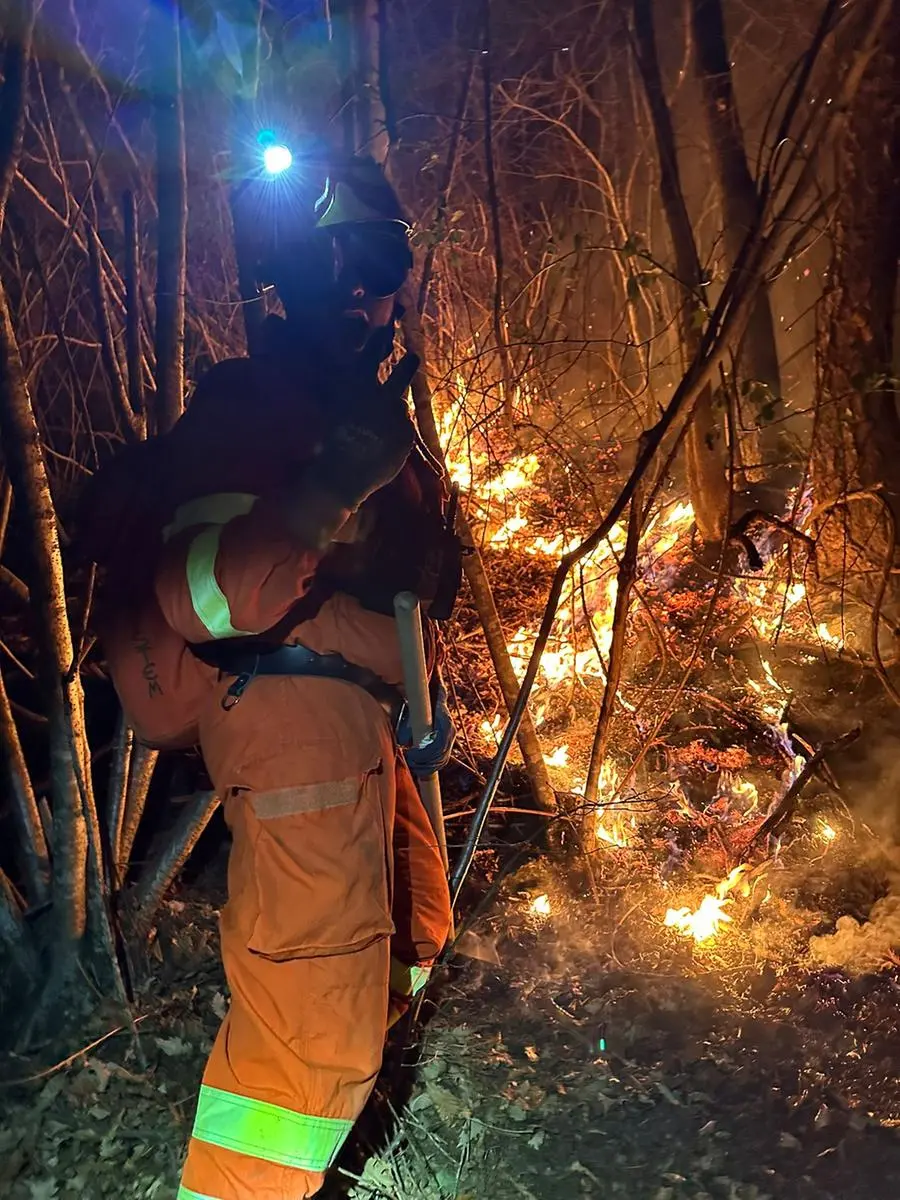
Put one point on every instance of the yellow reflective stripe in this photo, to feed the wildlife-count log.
(217, 509)
(209, 601)
(406, 980)
(186, 1193)
(268, 1131)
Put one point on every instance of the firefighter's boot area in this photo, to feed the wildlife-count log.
(308, 933)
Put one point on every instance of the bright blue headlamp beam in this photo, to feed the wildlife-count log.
(277, 159)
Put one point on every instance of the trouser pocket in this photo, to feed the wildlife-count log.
(319, 857)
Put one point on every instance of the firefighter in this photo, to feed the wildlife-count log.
(299, 503)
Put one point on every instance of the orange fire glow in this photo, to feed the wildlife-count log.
(706, 921)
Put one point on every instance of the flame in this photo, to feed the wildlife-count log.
(706, 921)
(541, 905)
(490, 729)
(558, 757)
(611, 825)
(825, 635)
(741, 790)
(612, 828)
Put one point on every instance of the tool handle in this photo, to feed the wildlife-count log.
(415, 678)
(415, 670)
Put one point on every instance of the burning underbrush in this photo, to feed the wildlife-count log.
(715, 759)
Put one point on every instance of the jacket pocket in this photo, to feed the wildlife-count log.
(321, 865)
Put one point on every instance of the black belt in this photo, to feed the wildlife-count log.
(245, 665)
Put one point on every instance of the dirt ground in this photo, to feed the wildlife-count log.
(583, 1053)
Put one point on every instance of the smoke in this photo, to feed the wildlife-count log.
(859, 947)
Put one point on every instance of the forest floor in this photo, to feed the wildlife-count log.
(586, 1051)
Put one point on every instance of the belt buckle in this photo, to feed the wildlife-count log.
(237, 688)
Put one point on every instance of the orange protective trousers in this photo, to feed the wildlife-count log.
(337, 906)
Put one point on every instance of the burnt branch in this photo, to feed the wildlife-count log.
(787, 805)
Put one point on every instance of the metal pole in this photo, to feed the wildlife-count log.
(415, 676)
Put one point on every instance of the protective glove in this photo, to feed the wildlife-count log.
(364, 449)
(435, 754)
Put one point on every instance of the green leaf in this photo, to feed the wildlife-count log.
(174, 1047)
(42, 1189)
(422, 1101)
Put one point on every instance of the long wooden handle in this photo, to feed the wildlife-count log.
(415, 677)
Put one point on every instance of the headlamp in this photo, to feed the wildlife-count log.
(276, 156)
(277, 159)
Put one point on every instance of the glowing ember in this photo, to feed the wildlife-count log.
(827, 832)
(541, 905)
(706, 921)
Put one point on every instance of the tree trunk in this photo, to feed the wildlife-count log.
(14, 940)
(32, 843)
(162, 868)
(143, 764)
(122, 410)
(758, 355)
(171, 200)
(706, 467)
(133, 356)
(625, 579)
(857, 437)
(27, 471)
(28, 475)
(505, 387)
(117, 794)
(370, 116)
(16, 59)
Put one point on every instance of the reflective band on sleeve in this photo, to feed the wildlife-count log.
(268, 1131)
(218, 509)
(208, 599)
(407, 981)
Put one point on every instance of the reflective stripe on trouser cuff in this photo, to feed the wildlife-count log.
(209, 601)
(268, 1131)
(185, 1193)
(406, 980)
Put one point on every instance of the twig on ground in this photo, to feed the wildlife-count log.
(67, 1062)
